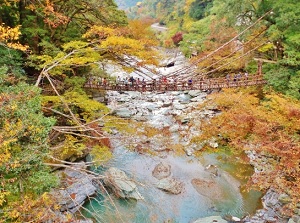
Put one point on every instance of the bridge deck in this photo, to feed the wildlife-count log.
(208, 84)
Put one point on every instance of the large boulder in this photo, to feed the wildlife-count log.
(121, 185)
(79, 186)
(211, 219)
(161, 170)
(208, 188)
(171, 185)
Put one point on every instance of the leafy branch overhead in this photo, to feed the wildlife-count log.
(99, 44)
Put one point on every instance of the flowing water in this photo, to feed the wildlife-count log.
(224, 196)
(159, 206)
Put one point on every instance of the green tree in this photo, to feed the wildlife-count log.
(23, 138)
(284, 34)
(198, 9)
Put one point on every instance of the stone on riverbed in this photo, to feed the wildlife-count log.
(133, 94)
(211, 219)
(178, 106)
(121, 185)
(79, 187)
(171, 185)
(161, 170)
(284, 199)
(208, 188)
(194, 93)
(123, 112)
(212, 169)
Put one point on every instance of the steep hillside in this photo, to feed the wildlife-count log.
(261, 31)
(125, 4)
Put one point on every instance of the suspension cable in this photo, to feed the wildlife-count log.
(224, 58)
(187, 68)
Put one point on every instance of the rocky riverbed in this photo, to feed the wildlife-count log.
(176, 111)
(155, 174)
(178, 180)
(157, 177)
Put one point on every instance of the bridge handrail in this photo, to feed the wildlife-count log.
(202, 84)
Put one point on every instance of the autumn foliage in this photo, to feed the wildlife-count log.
(177, 38)
(270, 126)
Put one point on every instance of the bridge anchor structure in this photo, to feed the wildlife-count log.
(206, 84)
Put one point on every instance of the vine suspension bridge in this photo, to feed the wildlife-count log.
(186, 78)
(208, 84)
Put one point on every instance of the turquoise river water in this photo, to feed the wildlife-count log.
(159, 206)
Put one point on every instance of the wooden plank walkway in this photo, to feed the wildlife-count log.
(206, 84)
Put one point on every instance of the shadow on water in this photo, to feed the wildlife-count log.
(225, 197)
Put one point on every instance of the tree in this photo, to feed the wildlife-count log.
(267, 124)
(285, 37)
(23, 142)
(177, 38)
(198, 9)
(48, 24)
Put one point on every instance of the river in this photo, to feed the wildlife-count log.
(225, 196)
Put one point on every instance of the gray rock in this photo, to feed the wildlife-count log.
(271, 211)
(209, 188)
(79, 189)
(199, 146)
(170, 185)
(174, 128)
(160, 121)
(194, 93)
(175, 93)
(212, 169)
(231, 218)
(163, 111)
(297, 211)
(123, 99)
(149, 106)
(99, 99)
(167, 104)
(212, 143)
(198, 99)
(175, 112)
(212, 219)
(207, 113)
(123, 112)
(296, 218)
(271, 219)
(189, 151)
(185, 120)
(161, 170)
(184, 98)
(284, 199)
(121, 185)
(179, 106)
(133, 94)
(140, 118)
